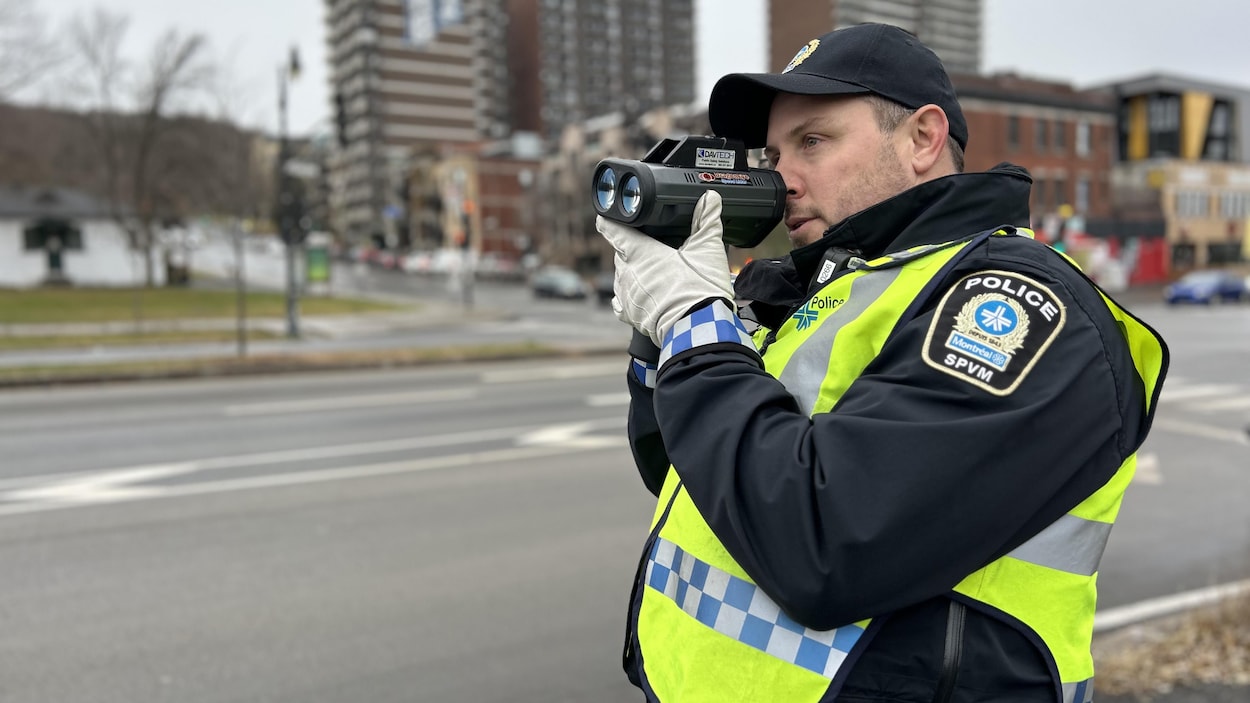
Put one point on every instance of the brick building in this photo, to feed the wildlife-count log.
(1065, 138)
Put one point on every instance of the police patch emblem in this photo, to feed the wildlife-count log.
(802, 55)
(991, 328)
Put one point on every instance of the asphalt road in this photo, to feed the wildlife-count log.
(1185, 522)
(461, 533)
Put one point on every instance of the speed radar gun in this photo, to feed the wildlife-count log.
(657, 196)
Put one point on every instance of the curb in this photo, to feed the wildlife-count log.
(1154, 608)
(307, 362)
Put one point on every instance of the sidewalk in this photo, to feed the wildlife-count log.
(418, 335)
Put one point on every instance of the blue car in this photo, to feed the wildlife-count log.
(1206, 287)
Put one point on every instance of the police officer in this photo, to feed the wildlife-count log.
(898, 487)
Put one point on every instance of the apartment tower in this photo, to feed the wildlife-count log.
(952, 28)
(411, 78)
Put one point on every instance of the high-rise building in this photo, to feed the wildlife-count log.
(585, 58)
(412, 77)
(952, 28)
(405, 73)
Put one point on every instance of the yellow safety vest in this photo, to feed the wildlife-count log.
(705, 632)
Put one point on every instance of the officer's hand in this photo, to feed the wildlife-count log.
(657, 285)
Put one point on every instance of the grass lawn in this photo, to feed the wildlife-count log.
(76, 341)
(121, 304)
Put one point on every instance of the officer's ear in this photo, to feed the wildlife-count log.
(927, 131)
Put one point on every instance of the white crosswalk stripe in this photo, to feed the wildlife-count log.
(1205, 397)
(1242, 403)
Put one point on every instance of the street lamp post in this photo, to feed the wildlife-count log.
(288, 224)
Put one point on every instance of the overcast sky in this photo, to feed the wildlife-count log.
(1084, 42)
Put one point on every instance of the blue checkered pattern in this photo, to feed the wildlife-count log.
(644, 372)
(711, 324)
(1080, 692)
(740, 610)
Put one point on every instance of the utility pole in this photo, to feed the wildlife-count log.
(240, 287)
(287, 211)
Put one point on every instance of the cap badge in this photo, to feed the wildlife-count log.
(802, 55)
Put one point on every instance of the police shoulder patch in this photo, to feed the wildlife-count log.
(991, 328)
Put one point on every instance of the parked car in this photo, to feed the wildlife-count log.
(558, 282)
(604, 283)
(1206, 287)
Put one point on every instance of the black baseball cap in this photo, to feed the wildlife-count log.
(880, 59)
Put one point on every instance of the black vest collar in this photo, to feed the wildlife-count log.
(934, 212)
(938, 211)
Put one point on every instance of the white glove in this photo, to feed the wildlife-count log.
(655, 284)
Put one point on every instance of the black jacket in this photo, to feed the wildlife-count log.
(916, 478)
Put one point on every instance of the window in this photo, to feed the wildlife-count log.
(1219, 120)
(1082, 138)
(1164, 119)
(1192, 204)
(1013, 132)
(1164, 113)
(1082, 195)
(1235, 205)
(1224, 252)
(52, 234)
(1039, 195)
(1183, 256)
(1219, 134)
(1041, 130)
(1061, 192)
(1061, 136)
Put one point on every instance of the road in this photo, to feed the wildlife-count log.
(1185, 522)
(457, 533)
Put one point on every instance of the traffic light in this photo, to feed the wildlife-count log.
(291, 212)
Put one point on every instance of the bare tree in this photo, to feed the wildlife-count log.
(236, 177)
(129, 122)
(26, 52)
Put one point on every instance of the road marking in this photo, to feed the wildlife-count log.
(606, 400)
(348, 401)
(1113, 618)
(554, 373)
(1148, 470)
(298, 478)
(1242, 403)
(35, 493)
(1202, 431)
(292, 455)
(103, 486)
(572, 435)
(1176, 393)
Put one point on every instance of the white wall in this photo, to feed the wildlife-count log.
(105, 260)
(19, 268)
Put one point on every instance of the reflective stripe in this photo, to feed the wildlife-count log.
(807, 367)
(1080, 692)
(902, 257)
(644, 372)
(711, 324)
(740, 610)
(1070, 544)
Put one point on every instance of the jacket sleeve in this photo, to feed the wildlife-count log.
(643, 430)
(914, 480)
